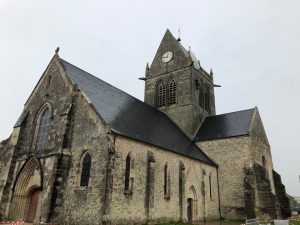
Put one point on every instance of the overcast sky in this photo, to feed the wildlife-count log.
(252, 46)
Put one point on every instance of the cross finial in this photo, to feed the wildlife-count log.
(179, 39)
(57, 50)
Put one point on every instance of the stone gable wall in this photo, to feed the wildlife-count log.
(73, 118)
(260, 147)
(232, 155)
(54, 91)
(84, 205)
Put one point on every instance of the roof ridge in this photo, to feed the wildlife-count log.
(243, 110)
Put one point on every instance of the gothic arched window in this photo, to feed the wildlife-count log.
(43, 129)
(127, 172)
(172, 92)
(161, 94)
(85, 171)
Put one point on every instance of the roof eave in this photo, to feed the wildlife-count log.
(218, 138)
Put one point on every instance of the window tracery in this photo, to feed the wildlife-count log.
(172, 92)
(161, 94)
(43, 130)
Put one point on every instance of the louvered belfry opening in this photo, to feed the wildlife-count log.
(172, 92)
(161, 95)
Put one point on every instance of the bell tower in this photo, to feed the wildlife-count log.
(177, 85)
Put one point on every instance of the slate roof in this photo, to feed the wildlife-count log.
(133, 118)
(225, 125)
(21, 119)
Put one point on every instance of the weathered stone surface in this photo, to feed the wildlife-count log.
(245, 173)
(189, 110)
(134, 207)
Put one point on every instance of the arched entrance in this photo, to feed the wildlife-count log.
(192, 205)
(27, 189)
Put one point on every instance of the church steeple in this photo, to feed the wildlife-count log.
(177, 85)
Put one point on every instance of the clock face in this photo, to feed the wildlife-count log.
(167, 57)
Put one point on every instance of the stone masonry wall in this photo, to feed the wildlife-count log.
(75, 128)
(260, 147)
(134, 208)
(188, 112)
(53, 91)
(283, 200)
(84, 205)
(232, 155)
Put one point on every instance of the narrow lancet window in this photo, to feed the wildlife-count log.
(127, 173)
(161, 94)
(85, 172)
(210, 191)
(166, 182)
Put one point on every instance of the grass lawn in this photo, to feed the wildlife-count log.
(294, 222)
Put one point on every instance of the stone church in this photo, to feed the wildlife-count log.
(85, 152)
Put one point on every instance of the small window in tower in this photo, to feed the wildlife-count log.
(161, 94)
(172, 92)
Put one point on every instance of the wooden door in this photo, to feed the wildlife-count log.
(34, 201)
(190, 210)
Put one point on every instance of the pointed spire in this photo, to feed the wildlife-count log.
(147, 70)
(211, 72)
(199, 62)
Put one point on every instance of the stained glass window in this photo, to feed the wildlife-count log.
(43, 130)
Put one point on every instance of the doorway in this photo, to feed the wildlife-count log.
(190, 209)
(33, 204)
(27, 188)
